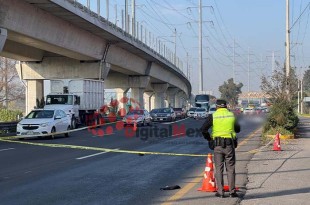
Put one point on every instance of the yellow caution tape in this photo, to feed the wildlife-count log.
(10, 139)
(104, 149)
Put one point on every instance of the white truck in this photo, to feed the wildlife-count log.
(77, 97)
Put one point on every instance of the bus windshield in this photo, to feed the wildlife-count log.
(202, 98)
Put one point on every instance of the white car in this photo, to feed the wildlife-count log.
(138, 117)
(249, 111)
(43, 121)
(200, 113)
(191, 111)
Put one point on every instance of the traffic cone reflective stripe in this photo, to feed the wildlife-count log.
(208, 183)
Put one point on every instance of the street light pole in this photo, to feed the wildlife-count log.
(175, 46)
(200, 48)
(287, 50)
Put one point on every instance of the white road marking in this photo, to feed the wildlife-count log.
(92, 155)
(6, 149)
(168, 123)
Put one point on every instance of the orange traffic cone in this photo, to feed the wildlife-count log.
(208, 183)
(276, 143)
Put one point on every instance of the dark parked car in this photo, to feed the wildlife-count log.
(153, 113)
(179, 112)
(164, 114)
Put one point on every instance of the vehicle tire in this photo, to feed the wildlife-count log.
(53, 131)
(150, 123)
(67, 134)
(73, 123)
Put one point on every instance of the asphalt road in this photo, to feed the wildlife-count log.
(41, 174)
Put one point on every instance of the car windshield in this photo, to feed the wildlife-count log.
(177, 109)
(200, 110)
(154, 111)
(164, 110)
(192, 109)
(39, 114)
(59, 99)
(135, 112)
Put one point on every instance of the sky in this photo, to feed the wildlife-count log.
(256, 26)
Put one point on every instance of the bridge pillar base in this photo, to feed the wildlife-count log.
(138, 85)
(137, 96)
(34, 91)
(160, 94)
(179, 99)
(121, 95)
(171, 92)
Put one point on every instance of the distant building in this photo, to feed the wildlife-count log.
(254, 98)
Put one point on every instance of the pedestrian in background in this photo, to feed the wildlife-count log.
(223, 141)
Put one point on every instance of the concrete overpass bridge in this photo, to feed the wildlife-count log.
(59, 39)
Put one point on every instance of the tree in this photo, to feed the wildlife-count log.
(278, 85)
(283, 94)
(11, 88)
(306, 82)
(230, 91)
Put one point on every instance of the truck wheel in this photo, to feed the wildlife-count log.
(73, 123)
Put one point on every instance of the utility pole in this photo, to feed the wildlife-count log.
(133, 16)
(248, 75)
(115, 10)
(272, 62)
(234, 77)
(175, 46)
(126, 15)
(287, 43)
(301, 97)
(107, 9)
(298, 97)
(187, 65)
(200, 49)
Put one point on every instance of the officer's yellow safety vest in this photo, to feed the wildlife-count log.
(223, 124)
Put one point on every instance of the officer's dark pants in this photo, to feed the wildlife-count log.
(225, 155)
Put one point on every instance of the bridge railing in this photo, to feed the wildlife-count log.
(132, 31)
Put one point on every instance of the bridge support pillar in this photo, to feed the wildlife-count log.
(34, 91)
(121, 95)
(171, 92)
(149, 100)
(3, 36)
(179, 99)
(138, 85)
(160, 94)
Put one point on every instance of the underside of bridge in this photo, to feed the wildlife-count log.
(60, 41)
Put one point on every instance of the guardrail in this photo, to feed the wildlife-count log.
(7, 127)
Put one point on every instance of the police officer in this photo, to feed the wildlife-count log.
(223, 141)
